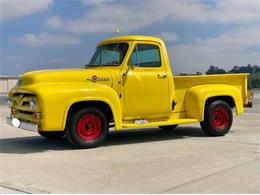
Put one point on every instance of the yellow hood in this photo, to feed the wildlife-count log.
(67, 76)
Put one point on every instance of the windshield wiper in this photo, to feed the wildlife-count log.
(96, 65)
(101, 65)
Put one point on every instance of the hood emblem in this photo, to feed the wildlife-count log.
(95, 78)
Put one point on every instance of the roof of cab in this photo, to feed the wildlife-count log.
(130, 38)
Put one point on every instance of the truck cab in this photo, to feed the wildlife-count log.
(128, 83)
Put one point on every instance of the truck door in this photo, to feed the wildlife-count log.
(145, 87)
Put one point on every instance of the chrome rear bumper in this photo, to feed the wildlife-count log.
(23, 125)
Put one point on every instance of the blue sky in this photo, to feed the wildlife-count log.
(40, 34)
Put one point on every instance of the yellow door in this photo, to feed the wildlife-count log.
(146, 90)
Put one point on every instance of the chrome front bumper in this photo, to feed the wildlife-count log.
(23, 125)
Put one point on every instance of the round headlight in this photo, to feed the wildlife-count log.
(10, 102)
(33, 104)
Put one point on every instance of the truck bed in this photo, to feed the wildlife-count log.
(183, 83)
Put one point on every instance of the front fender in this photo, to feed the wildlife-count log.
(56, 100)
(197, 96)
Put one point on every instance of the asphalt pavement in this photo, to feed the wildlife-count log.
(184, 160)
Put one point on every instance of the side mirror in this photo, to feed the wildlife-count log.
(130, 66)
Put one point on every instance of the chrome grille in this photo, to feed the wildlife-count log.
(21, 107)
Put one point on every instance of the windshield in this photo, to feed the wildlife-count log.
(109, 55)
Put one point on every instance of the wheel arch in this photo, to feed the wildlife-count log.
(102, 106)
(112, 112)
(228, 99)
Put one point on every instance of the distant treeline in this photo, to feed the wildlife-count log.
(254, 71)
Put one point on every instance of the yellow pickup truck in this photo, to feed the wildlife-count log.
(128, 83)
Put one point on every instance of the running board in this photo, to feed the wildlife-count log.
(146, 123)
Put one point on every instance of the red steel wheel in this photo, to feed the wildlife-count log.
(89, 127)
(218, 118)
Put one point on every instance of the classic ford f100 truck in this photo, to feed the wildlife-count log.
(128, 83)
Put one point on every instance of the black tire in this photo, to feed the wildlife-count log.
(87, 128)
(168, 127)
(52, 134)
(218, 118)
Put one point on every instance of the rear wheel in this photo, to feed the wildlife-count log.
(168, 127)
(52, 134)
(87, 128)
(218, 118)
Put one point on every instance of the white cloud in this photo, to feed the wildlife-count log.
(108, 15)
(46, 39)
(238, 11)
(218, 11)
(169, 36)
(54, 22)
(10, 9)
(96, 2)
(236, 47)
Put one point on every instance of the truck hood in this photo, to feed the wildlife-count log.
(67, 76)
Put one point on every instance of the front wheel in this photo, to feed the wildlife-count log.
(218, 118)
(87, 128)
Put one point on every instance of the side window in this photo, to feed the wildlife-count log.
(146, 55)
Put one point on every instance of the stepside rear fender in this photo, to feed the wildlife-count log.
(197, 96)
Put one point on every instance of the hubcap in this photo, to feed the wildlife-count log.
(220, 118)
(89, 127)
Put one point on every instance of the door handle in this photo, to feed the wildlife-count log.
(162, 76)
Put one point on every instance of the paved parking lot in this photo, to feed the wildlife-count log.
(184, 160)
